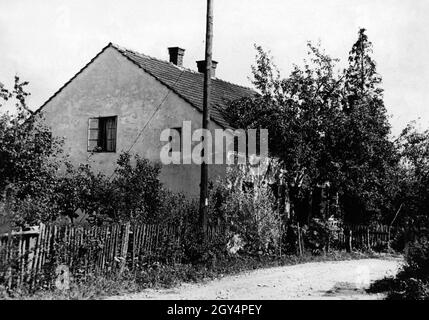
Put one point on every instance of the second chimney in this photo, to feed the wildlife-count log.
(176, 55)
(201, 65)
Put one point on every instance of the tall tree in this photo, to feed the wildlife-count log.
(362, 79)
(326, 126)
(298, 111)
(364, 150)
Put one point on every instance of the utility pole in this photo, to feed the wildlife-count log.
(206, 118)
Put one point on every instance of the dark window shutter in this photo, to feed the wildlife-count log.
(93, 134)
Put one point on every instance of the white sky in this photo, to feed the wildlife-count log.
(47, 42)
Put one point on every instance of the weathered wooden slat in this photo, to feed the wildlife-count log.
(152, 238)
(115, 246)
(9, 260)
(140, 249)
(103, 240)
(103, 237)
(144, 239)
(134, 230)
(107, 248)
(157, 227)
(34, 262)
(42, 248)
(124, 248)
(112, 247)
(20, 260)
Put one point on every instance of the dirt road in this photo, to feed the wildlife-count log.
(319, 280)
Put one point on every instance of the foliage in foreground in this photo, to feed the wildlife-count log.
(247, 208)
(412, 282)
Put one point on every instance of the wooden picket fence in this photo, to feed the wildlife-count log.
(361, 236)
(31, 256)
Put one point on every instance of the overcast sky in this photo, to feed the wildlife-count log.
(46, 42)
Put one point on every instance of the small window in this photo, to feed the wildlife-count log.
(102, 134)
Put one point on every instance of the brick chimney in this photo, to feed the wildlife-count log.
(201, 65)
(176, 55)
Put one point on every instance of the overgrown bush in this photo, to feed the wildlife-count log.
(319, 235)
(29, 159)
(418, 260)
(248, 208)
(132, 193)
(412, 282)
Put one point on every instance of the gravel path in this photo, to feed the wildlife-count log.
(318, 280)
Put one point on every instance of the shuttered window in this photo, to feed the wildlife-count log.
(102, 134)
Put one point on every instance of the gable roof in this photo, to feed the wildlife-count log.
(189, 84)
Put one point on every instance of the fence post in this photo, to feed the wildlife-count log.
(388, 237)
(9, 258)
(124, 248)
(299, 240)
(349, 244)
(368, 241)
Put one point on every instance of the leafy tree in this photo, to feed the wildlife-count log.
(81, 188)
(363, 148)
(362, 80)
(413, 181)
(326, 126)
(137, 188)
(299, 112)
(27, 157)
(132, 193)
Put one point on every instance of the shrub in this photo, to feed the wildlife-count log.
(134, 193)
(29, 157)
(316, 236)
(248, 209)
(418, 260)
(136, 188)
(412, 282)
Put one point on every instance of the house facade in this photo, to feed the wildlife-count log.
(122, 101)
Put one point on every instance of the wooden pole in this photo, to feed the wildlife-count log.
(299, 240)
(391, 224)
(368, 240)
(206, 117)
(350, 240)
